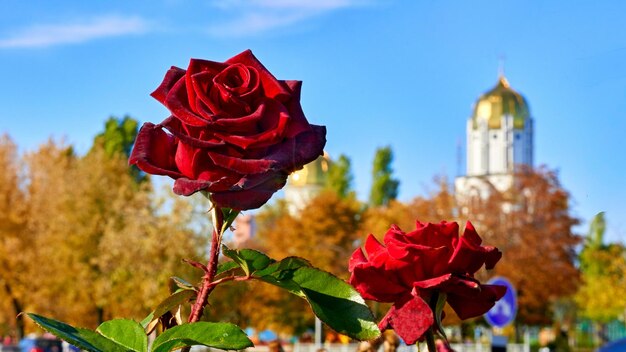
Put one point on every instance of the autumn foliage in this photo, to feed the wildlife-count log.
(68, 219)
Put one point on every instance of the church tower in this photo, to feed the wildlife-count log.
(499, 138)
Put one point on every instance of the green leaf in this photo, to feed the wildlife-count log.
(182, 283)
(281, 274)
(249, 260)
(337, 303)
(218, 335)
(284, 266)
(333, 300)
(127, 333)
(225, 267)
(286, 284)
(177, 298)
(83, 338)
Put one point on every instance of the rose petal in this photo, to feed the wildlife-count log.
(469, 307)
(357, 257)
(209, 68)
(410, 318)
(298, 122)
(492, 256)
(434, 235)
(249, 198)
(154, 151)
(272, 125)
(375, 284)
(272, 87)
(173, 75)
(241, 166)
(186, 187)
(373, 246)
(294, 153)
(243, 125)
(469, 255)
(449, 283)
(177, 129)
(176, 100)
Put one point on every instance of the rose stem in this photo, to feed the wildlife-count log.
(430, 341)
(203, 295)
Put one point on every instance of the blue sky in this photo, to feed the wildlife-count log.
(387, 72)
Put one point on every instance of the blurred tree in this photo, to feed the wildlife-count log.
(14, 240)
(82, 241)
(340, 177)
(118, 138)
(532, 225)
(95, 227)
(324, 233)
(118, 135)
(384, 186)
(602, 295)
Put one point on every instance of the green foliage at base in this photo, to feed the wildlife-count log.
(121, 335)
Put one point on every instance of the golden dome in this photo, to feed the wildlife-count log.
(499, 101)
(313, 173)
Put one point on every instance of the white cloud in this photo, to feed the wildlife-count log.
(38, 36)
(251, 17)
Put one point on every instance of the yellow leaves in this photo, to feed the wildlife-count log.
(602, 295)
(88, 241)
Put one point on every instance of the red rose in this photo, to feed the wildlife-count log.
(411, 268)
(235, 131)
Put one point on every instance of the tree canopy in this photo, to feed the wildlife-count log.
(384, 185)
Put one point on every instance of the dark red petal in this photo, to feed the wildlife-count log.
(241, 166)
(427, 261)
(375, 284)
(433, 282)
(471, 235)
(242, 125)
(435, 235)
(357, 257)
(177, 102)
(409, 318)
(469, 307)
(298, 122)
(210, 68)
(186, 187)
(173, 75)
(176, 128)
(154, 151)
(373, 246)
(190, 161)
(294, 153)
(469, 255)
(249, 198)
(464, 286)
(272, 87)
(272, 124)
(492, 256)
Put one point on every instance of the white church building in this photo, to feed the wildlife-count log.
(499, 139)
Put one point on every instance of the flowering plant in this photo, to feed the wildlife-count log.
(235, 134)
(420, 271)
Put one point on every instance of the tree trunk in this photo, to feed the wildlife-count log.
(100, 314)
(17, 309)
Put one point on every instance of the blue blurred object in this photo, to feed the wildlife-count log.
(47, 345)
(614, 346)
(267, 335)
